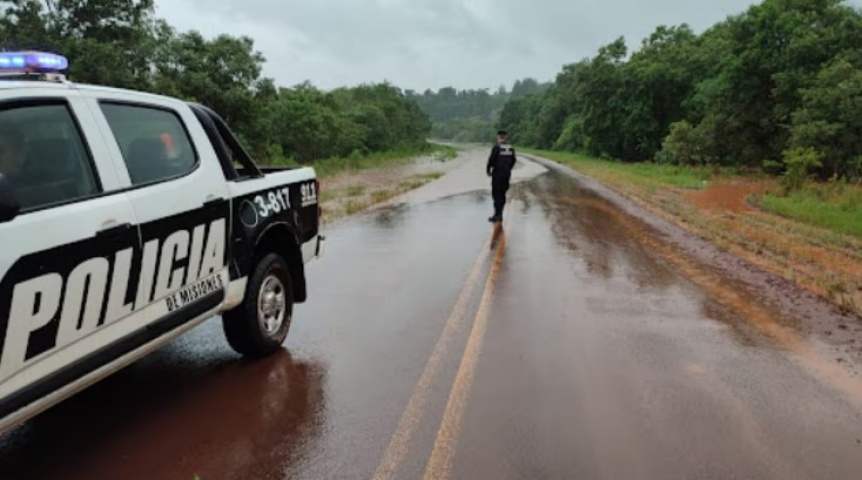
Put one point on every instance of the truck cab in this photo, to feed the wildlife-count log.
(127, 219)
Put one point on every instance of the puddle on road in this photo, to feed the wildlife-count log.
(255, 414)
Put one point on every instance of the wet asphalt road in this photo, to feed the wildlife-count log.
(566, 344)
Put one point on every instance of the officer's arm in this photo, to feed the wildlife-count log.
(492, 159)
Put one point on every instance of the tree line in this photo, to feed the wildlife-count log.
(121, 43)
(469, 115)
(778, 86)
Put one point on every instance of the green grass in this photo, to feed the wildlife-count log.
(837, 207)
(645, 174)
(444, 152)
(333, 166)
(418, 180)
(430, 176)
(381, 195)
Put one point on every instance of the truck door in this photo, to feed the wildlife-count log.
(66, 258)
(180, 198)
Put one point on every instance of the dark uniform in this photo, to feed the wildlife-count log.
(499, 168)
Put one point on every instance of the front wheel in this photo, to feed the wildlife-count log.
(259, 326)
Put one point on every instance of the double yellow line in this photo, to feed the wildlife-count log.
(443, 453)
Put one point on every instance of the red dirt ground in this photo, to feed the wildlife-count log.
(730, 197)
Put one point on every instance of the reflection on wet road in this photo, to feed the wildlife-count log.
(573, 345)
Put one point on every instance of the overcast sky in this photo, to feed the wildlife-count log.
(419, 44)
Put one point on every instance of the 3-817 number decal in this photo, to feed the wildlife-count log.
(272, 202)
(276, 201)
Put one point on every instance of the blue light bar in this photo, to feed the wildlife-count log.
(32, 62)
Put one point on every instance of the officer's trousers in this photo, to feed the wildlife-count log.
(499, 187)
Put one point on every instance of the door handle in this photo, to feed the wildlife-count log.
(115, 232)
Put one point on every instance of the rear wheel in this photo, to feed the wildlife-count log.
(259, 326)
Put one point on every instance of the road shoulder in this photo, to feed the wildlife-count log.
(816, 317)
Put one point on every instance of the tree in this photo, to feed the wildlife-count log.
(657, 81)
(463, 115)
(121, 43)
(830, 120)
(23, 26)
(600, 90)
(782, 76)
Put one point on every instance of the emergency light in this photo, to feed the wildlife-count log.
(35, 62)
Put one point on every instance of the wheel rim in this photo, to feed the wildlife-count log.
(271, 305)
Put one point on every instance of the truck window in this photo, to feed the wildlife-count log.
(43, 155)
(239, 157)
(153, 141)
(235, 162)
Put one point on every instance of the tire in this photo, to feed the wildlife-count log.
(259, 325)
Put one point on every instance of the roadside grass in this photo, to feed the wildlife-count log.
(648, 175)
(424, 177)
(355, 191)
(354, 177)
(445, 152)
(834, 206)
(328, 195)
(353, 206)
(393, 158)
(382, 195)
(339, 206)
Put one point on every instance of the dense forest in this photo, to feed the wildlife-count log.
(121, 43)
(469, 115)
(777, 87)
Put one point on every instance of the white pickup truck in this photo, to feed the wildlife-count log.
(126, 219)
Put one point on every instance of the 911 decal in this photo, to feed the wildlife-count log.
(309, 194)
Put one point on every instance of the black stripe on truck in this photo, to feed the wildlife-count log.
(108, 354)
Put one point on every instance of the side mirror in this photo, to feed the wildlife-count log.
(9, 206)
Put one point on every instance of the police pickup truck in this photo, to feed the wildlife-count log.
(126, 219)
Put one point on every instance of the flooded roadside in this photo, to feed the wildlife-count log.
(350, 192)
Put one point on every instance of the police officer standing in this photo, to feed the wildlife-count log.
(499, 168)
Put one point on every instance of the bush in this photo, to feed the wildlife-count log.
(799, 165)
(683, 146)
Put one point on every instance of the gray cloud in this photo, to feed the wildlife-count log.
(422, 44)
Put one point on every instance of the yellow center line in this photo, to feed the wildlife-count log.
(399, 444)
(445, 446)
